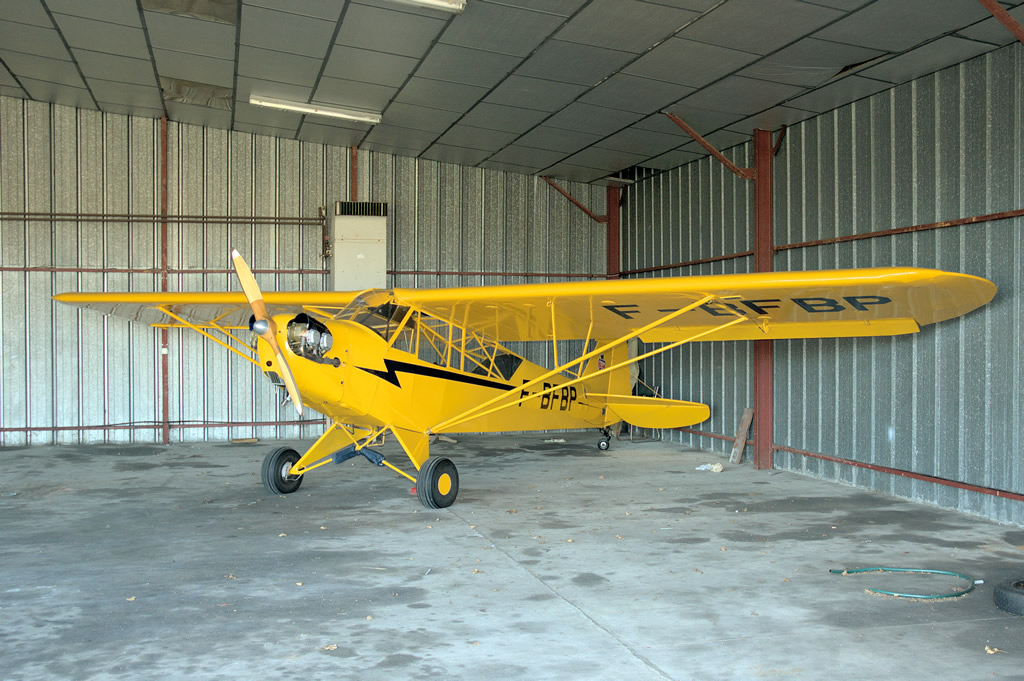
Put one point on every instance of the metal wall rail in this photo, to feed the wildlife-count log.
(8, 216)
(149, 270)
(690, 263)
(159, 425)
(906, 230)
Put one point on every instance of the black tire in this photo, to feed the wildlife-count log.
(603, 445)
(1010, 596)
(275, 469)
(437, 483)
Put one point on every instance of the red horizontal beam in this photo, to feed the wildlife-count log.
(905, 474)
(1004, 17)
(689, 263)
(906, 230)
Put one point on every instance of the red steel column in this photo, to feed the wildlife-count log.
(764, 416)
(164, 332)
(612, 213)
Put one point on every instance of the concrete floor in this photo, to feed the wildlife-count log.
(557, 562)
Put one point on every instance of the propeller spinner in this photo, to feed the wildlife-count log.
(264, 325)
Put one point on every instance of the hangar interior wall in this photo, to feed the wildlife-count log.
(945, 402)
(71, 376)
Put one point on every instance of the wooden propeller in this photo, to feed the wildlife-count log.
(265, 326)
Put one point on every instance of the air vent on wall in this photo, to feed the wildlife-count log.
(360, 208)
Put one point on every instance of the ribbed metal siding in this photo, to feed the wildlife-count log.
(697, 211)
(945, 402)
(105, 370)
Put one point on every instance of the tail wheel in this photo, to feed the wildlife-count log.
(275, 471)
(437, 483)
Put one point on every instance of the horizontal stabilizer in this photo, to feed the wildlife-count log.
(654, 412)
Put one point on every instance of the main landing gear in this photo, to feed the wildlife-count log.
(275, 471)
(437, 483)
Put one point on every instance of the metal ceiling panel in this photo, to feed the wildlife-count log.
(500, 28)
(672, 159)
(59, 71)
(640, 141)
(261, 115)
(6, 78)
(286, 32)
(440, 95)
(736, 94)
(44, 42)
(283, 68)
(114, 11)
(557, 139)
(570, 171)
(524, 156)
(101, 35)
(594, 119)
(573, 63)
(187, 34)
(991, 30)
(246, 87)
(703, 121)
(194, 67)
(403, 137)
(351, 93)
(321, 9)
(841, 92)
(928, 58)
(608, 159)
(27, 12)
(115, 67)
(145, 96)
(809, 62)
(466, 65)
(760, 26)
(59, 94)
(330, 134)
(268, 130)
(534, 93)
(132, 110)
(509, 167)
(459, 155)
(388, 31)
(369, 66)
(507, 118)
(630, 25)
(772, 119)
(563, 8)
(633, 93)
(198, 115)
(898, 26)
(461, 135)
(420, 117)
(689, 62)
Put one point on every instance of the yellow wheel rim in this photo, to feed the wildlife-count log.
(444, 484)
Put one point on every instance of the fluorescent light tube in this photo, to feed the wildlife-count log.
(453, 6)
(317, 109)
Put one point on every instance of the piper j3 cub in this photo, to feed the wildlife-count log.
(418, 363)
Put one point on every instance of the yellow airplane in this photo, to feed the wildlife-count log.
(419, 363)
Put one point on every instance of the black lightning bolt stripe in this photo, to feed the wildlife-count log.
(395, 366)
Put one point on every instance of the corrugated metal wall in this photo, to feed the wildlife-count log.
(64, 372)
(945, 402)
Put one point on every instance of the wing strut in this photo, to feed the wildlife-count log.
(479, 410)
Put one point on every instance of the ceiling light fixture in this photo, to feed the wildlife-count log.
(453, 6)
(317, 109)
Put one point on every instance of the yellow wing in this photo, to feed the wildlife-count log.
(228, 309)
(833, 303)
